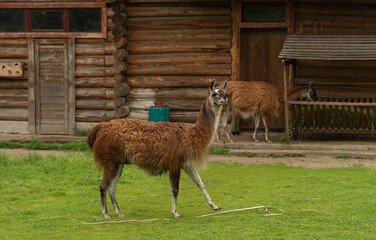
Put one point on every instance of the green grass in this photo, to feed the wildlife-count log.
(246, 154)
(36, 144)
(219, 151)
(48, 197)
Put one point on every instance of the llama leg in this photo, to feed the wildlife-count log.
(108, 176)
(195, 177)
(265, 120)
(174, 183)
(257, 119)
(218, 135)
(229, 135)
(225, 117)
(112, 189)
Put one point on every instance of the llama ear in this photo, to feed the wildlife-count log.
(310, 84)
(212, 84)
(224, 86)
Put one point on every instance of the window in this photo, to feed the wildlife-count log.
(259, 12)
(12, 20)
(47, 20)
(270, 14)
(53, 19)
(85, 20)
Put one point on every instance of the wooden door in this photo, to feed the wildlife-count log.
(259, 49)
(51, 86)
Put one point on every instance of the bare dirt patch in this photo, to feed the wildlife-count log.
(304, 161)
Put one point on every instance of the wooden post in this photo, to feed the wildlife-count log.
(31, 87)
(285, 78)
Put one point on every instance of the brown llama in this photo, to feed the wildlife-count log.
(156, 148)
(259, 100)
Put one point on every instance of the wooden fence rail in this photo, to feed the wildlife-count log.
(334, 115)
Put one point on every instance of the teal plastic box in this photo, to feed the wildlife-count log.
(159, 114)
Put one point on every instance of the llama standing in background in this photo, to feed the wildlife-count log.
(259, 100)
(156, 147)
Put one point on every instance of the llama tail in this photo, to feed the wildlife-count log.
(93, 135)
(91, 138)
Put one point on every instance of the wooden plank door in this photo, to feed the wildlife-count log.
(259, 49)
(52, 107)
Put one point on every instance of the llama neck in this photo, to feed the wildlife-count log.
(293, 93)
(207, 122)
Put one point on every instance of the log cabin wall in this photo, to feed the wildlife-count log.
(175, 49)
(94, 78)
(337, 79)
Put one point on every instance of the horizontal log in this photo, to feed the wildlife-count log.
(109, 49)
(122, 111)
(119, 18)
(172, 81)
(122, 89)
(109, 72)
(89, 50)
(175, 116)
(120, 67)
(180, 35)
(187, 70)
(177, 11)
(89, 41)
(94, 115)
(184, 1)
(173, 104)
(11, 103)
(109, 61)
(95, 93)
(13, 93)
(13, 114)
(179, 58)
(90, 61)
(12, 52)
(120, 54)
(20, 42)
(120, 101)
(179, 22)
(110, 81)
(167, 93)
(137, 47)
(90, 72)
(88, 82)
(84, 104)
(13, 83)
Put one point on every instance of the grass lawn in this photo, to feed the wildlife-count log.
(50, 197)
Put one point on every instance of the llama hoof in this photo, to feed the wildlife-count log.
(121, 215)
(232, 141)
(106, 216)
(176, 215)
(257, 140)
(269, 141)
(216, 208)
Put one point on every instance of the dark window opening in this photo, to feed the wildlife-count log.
(12, 20)
(47, 21)
(85, 20)
(261, 12)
